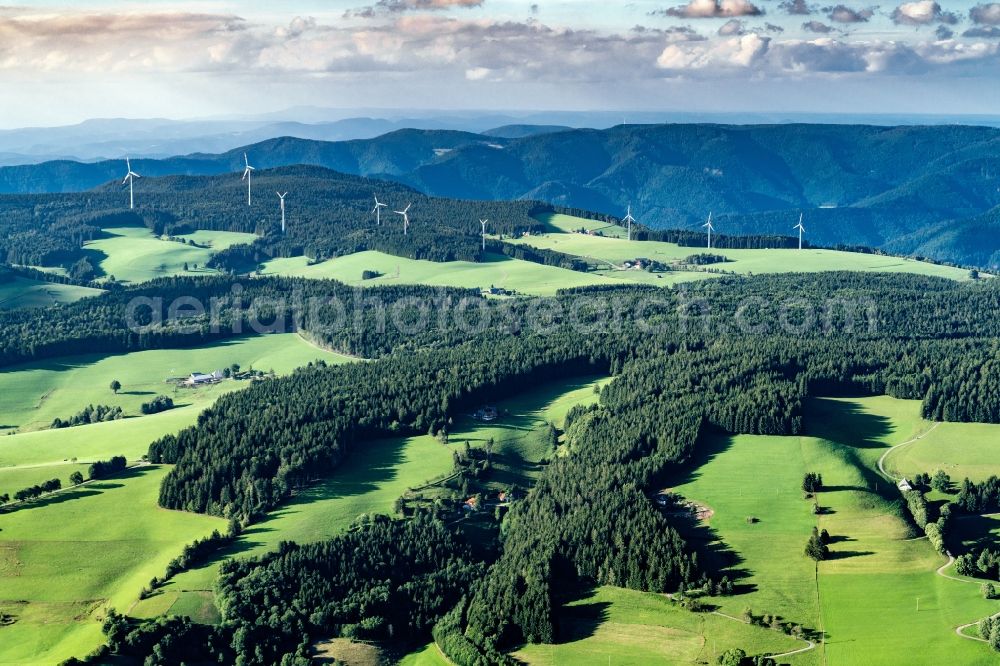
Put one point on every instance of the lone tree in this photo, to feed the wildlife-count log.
(116, 386)
(76, 478)
(941, 482)
(816, 549)
(812, 482)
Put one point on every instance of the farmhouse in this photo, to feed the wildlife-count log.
(487, 413)
(471, 504)
(198, 378)
(904, 485)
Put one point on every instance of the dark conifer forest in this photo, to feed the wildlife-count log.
(713, 356)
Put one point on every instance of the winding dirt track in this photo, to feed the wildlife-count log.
(881, 461)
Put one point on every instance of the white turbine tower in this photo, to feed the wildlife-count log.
(710, 230)
(483, 223)
(378, 211)
(406, 217)
(129, 176)
(246, 175)
(281, 197)
(801, 230)
(629, 219)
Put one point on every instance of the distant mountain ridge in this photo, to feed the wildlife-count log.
(932, 191)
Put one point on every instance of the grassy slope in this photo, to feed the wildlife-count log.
(613, 625)
(32, 395)
(377, 473)
(103, 542)
(99, 547)
(610, 249)
(136, 255)
(500, 271)
(25, 293)
(742, 261)
(960, 449)
(866, 596)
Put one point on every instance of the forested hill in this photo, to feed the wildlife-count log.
(328, 214)
(395, 153)
(930, 191)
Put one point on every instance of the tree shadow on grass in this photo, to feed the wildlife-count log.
(136, 393)
(81, 492)
(845, 423)
(839, 538)
(713, 552)
(575, 621)
(368, 467)
(967, 532)
(845, 554)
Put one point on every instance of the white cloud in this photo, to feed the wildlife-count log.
(477, 73)
(696, 9)
(738, 52)
(922, 12)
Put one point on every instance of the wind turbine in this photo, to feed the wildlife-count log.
(801, 230)
(629, 219)
(483, 223)
(129, 176)
(710, 230)
(246, 175)
(406, 217)
(281, 197)
(378, 211)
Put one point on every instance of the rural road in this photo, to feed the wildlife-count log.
(962, 627)
(809, 644)
(951, 560)
(881, 461)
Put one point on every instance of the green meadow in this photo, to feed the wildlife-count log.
(378, 472)
(566, 224)
(103, 541)
(961, 449)
(605, 252)
(24, 293)
(618, 626)
(880, 588)
(524, 277)
(100, 545)
(134, 254)
(32, 395)
(614, 249)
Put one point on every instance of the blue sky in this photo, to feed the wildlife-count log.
(62, 62)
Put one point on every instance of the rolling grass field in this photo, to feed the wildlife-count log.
(961, 449)
(618, 626)
(32, 395)
(65, 386)
(605, 252)
(378, 472)
(618, 250)
(25, 293)
(100, 545)
(134, 254)
(524, 277)
(101, 542)
(865, 598)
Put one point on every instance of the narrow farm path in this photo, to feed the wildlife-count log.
(881, 460)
